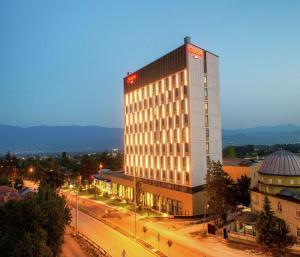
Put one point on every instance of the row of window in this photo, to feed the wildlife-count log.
(279, 181)
(164, 175)
(168, 97)
(158, 162)
(159, 149)
(178, 121)
(163, 111)
(159, 87)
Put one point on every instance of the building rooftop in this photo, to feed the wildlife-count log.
(281, 163)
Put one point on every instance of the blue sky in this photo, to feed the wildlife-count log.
(62, 62)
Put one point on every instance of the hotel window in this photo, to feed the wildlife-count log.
(207, 133)
(185, 91)
(187, 177)
(207, 147)
(279, 207)
(178, 176)
(186, 148)
(162, 98)
(186, 119)
(205, 93)
(270, 180)
(184, 163)
(292, 182)
(206, 107)
(171, 174)
(181, 77)
(177, 121)
(279, 181)
(176, 93)
(170, 122)
(298, 233)
(178, 148)
(173, 80)
(206, 120)
(167, 83)
(170, 96)
(205, 79)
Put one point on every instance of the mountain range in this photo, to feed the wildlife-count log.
(52, 139)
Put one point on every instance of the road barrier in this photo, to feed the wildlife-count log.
(91, 243)
(120, 230)
(99, 249)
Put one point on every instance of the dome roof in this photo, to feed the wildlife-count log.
(282, 163)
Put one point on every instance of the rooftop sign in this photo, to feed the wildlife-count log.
(196, 52)
(131, 78)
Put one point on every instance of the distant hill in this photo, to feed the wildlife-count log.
(52, 139)
(267, 135)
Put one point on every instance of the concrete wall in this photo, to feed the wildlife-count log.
(214, 111)
(197, 115)
(197, 118)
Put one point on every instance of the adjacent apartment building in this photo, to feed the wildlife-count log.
(172, 128)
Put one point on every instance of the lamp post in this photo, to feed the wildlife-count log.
(205, 208)
(79, 184)
(135, 201)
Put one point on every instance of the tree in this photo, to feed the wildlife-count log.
(52, 178)
(230, 152)
(88, 166)
(273, 233)
(219, 191)
(242, 190)
(34, 227)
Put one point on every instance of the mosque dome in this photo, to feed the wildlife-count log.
(281, 163)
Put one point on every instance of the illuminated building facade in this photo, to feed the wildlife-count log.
(172, 128)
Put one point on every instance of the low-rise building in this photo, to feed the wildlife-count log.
(279, 178)
(237, 167)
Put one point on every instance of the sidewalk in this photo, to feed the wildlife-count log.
(71, 247)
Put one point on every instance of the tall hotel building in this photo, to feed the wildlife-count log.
(173, 128)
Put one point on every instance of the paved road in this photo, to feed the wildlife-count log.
(109, 239)
(182, 245)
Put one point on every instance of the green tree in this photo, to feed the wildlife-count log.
(242, 190)
(88, 166)
(35, 226)
(52, 178)
(230, 152)
(219, 191)
(273, 233)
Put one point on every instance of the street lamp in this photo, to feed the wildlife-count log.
(205, 209)
(100, 167)
(135, 201)
(79, 183)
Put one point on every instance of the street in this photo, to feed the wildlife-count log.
(182, 245)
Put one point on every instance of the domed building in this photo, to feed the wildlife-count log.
(280, 172)
(279, 178)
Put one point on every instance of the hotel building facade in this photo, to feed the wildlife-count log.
(172, 128)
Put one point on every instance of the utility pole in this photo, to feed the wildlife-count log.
(135, 201)
(79, 184)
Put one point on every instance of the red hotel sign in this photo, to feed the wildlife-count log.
(131, 78)
(196, 52)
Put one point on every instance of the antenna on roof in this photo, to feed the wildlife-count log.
(187, 40)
